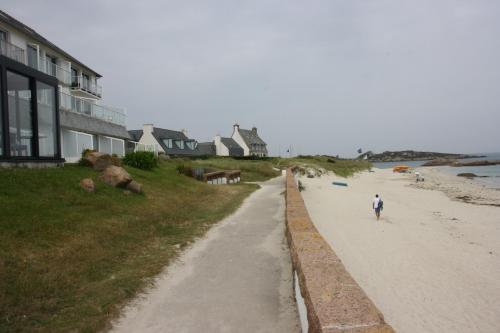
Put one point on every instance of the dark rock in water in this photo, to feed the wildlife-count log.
(476, 163)
(439, 162)
(467, 175)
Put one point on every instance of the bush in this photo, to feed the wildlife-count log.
(144, 160)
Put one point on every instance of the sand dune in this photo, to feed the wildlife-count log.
(431, 264)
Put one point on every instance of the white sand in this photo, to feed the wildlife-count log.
(431, 264)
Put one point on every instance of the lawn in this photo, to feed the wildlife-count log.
(70, 259)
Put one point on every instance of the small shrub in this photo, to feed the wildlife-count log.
(144, 160)
(301, 187)
(184, 169)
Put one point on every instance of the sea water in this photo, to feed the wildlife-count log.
(489, 174)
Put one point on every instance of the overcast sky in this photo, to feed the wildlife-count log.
(325, 77)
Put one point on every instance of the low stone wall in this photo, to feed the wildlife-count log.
(334, 301)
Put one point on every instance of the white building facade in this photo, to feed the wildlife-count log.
(85, 123)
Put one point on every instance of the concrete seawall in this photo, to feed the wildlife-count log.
(334, 301)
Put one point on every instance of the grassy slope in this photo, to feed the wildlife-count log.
(68, 258)
(252, 170)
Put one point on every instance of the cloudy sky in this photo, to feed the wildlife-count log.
(325, 77)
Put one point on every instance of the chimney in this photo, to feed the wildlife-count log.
(236, 127)
(254, 130)
(217, 139)
(147, 128)
(184, 131)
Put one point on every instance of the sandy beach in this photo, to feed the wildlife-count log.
(432, 263)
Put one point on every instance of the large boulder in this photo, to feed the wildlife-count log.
(134, 186)
(115, 176)
(87, 184)
(97, 160)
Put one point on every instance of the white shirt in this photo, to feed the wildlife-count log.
(376, 202)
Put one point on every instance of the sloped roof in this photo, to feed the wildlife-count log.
(251, 137)
(233, 147)
(206, 148)
(136, 135)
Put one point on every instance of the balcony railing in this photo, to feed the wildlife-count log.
(12, 51)
(80, 105)
(48, 67)
(85, 84)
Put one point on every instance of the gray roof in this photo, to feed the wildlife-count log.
(206, 148)
(135, 135)
(233, 147)
(251, 137)
(36, 36)
(87, 124)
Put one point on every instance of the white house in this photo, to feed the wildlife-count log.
(66, 85)
(161, 140)
(250, 141)
(227, 147)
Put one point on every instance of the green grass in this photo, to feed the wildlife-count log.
(251, 170)
(69, 259)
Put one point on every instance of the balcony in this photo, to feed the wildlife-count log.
(86, 86)
(83, 106)
(12, 51)
(48, 67)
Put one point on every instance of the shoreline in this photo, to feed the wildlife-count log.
(431, 264)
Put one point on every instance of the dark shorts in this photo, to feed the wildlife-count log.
(377, 210)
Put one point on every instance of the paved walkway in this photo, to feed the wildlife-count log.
(237, 279)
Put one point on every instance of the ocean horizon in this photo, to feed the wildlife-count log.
(489, 175)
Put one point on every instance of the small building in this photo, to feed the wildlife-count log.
(161, 140)
(250, 141)
(227, 147)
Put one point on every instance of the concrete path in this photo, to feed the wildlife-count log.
(237, 279)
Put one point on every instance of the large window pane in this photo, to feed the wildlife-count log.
(84, 142)
(70, 149)
(118, 147)
(105, 145)
(20, 115)
(47, 132)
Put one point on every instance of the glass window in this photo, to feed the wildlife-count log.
(105, 145)
(117, 146)
(84, 141)
(74, 77)
(191, 144)
(168, 143)
(70, 150)
(179, 144)
(47, 131)
(32, 56)
(20, 115)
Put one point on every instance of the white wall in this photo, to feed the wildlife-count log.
(239, 140)
(148, 138)
(220, 148)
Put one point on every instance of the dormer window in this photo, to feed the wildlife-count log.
(179, 144)
(192, 144)
(168, 143)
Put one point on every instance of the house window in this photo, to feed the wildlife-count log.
(168, 143)
(47, 131)
(191, 144)
(86, 81)
(51, 65)
(20, 115)
(32, 56)
(179, 144)
(74, 77)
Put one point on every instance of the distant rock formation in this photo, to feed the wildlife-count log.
(455, 163)
(411, 155)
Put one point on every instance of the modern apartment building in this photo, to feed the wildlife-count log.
(50, 102)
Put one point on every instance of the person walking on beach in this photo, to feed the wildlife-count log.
(377, 205)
